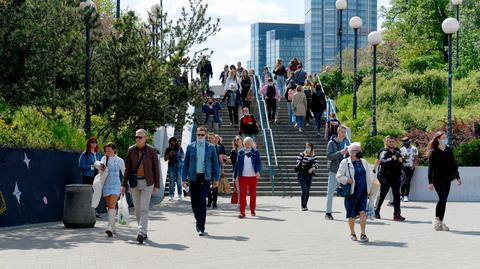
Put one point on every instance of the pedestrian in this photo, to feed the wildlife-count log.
(289, 93)
(111, 187)
(305, 169)
(201, 168)
(205, 70)
(246, 85)
(233, 97)
(87, 160)
(233, 78)
(353, 171)
(212, 194)
(300, 75)
(142, 174)
(248, 125)
(442, 170)
(240, 68)
(337, 150)
(318, 106)
(410, 155)
(299, 107)
(174, 156)
(391, 163)
(308, 91)
(266, 76)
(247, 169)
(224, 75)
(255, 81)
(280, 74)
(293, 64)
(211, 109)
(271, 95)
(331, 126)
(237, 145)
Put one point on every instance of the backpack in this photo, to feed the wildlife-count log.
(291, 93)
(271, 92)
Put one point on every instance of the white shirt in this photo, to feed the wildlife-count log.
(248, 170)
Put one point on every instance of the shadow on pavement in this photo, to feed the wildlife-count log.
(324, 212)
(477, 233)
(263, 218)
(232, 238)
(413, 207)
(152, 244)
(379, 243)
(369, 222)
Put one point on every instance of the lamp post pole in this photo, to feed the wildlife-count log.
(374, 38)
(340, 6)
(449, 27)
(456, 4)
(161, 29)
(118, 9)
(355, 23)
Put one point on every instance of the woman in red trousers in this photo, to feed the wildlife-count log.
(247, 169)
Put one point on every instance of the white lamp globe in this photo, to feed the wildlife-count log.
(374, 38)
(355, 22)
(342, 4)
(456, 2)
(152, 19)
(156, 9)
(450, 26)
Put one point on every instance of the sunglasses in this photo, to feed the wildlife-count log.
(237, 139)
(200, 134)
(139, 137)
(93, 142)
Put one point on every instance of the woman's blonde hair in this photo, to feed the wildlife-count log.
(234, 145)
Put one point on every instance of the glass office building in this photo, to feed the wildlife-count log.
(284, 48)
(287, 35)
(321, 25)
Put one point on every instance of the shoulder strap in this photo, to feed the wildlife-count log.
(348, 167)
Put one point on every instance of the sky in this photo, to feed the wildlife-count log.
(232, 43)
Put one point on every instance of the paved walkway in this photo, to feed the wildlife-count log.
(281, 236)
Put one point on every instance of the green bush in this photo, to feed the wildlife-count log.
(432, 85)
(371, 145)
(423, 63)
(466, 91)
(468, 154)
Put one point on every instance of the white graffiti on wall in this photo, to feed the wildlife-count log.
(26, 160)
(17, 193)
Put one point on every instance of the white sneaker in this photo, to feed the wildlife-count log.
(437, 225)
(300, 130)
(180, 198)
(445, 227)
(170, 198)
(405, 198)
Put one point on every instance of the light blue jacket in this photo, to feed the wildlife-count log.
(211, 164)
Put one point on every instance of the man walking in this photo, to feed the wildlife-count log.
(410, 154)
(389, 176)
(200, 167)
(142, 172)
(337, 149)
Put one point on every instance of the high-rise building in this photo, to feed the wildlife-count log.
(285, 47)
(321, 19)
(284, 32)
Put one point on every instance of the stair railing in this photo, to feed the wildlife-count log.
(267, 134)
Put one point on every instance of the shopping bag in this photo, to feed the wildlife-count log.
(234, 197)
(224, 186)
(123, 215)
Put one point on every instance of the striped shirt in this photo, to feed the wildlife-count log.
(307, 162)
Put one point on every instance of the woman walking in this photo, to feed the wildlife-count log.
(266, 75)
(306, 165)
(246, 85)
(247, 170)
(353, 171)
(279, 75)
(299, 107)
(237, 145)
(87, 160)
(442, 170)
(308, 91)
(234, 100)
(111, 187)
(234, 78)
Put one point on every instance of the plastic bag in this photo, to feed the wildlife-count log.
(123, 215)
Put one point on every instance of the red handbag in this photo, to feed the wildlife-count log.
(234, 197)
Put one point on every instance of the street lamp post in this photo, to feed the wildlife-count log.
(90, 15)
(449, 27)
(118, 9)
(456, 4)
(355, 23)
(340, 5)
(374, 38)
(154, 18)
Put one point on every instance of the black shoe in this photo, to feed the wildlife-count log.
(209, 203)
(377, 214)
(140, 238)
(214, 204)
(398, 217)
(97, 215)
(304, 209)
(109, 233)
(328, 216)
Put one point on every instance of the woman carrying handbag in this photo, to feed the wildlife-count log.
(353, 171)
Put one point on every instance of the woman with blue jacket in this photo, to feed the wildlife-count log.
(247, 169)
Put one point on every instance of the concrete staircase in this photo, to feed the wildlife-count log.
(289, 142)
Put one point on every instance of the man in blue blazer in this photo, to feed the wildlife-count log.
(200, 167)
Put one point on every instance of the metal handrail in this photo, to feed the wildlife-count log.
(270, 131)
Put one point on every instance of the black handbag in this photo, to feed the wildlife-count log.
(132, 177)
(343, 190)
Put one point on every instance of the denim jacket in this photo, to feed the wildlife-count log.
(211, 164)
(216, 114)
(86, 161)
(256, 162)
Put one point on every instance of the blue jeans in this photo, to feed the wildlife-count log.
(318, 120)
(332, 184)
(198, 197)
(281, 84)
(290, 113)
(175, 177)
(305, 181)
(299, 121)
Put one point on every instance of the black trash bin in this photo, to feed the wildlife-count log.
(77, 209)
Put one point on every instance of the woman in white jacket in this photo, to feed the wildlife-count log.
(354, 171)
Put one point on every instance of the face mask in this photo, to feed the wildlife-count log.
(359, 155)
(308, 149)
(406, 144)
(445, 142)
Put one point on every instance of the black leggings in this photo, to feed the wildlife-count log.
(233, 114)
(442, 187)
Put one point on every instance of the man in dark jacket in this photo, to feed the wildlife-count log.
(391, 163)
(205, 70)
(318, 106)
